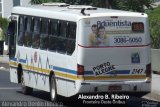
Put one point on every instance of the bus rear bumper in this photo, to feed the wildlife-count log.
(125, 86)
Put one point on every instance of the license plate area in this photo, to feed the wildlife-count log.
(115, 88)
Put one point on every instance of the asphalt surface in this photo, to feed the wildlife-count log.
(11, 95)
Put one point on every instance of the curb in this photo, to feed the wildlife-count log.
(4, 66)
(152, 96)
(4, 59)
(2, 69)
(156, 72)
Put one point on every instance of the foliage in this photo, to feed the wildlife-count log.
(3, 23)
(42, 1)
(154, 19)
(132, 5)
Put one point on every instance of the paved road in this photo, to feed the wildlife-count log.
(10, 93)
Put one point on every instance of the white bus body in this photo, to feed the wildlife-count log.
(115, 60)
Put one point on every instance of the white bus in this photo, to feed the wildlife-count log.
(67, 50)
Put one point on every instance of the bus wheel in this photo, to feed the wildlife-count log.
(25, 90)
(53, 89)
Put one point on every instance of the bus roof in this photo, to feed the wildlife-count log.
(70, 14)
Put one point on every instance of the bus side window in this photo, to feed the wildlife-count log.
(28, 32)
(21, 31)
(53, 33)
(44, 34)
(36, 33)
(62, 40)
(71, 36)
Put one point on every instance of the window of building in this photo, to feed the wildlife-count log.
(36, 33)
(16, 2)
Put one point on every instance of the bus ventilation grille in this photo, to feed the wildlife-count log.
(55, 4)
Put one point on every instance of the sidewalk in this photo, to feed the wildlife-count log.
(155, 89)
(4, 62)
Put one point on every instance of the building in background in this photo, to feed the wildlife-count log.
(7, 5)
(157, 0)
(6, 8)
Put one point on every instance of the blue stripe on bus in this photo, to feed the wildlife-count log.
(74, 71)
(112, 72)
(64, 70)
(13, 59)
(119, 72)
(20, 60)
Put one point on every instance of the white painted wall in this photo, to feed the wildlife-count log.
(7, 6)
(25, 2)
(155, 60)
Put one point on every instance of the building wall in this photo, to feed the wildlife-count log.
(6, 9)
(157, 0)
(7, 6)
(25, 2)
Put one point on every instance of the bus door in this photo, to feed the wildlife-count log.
(11, 34)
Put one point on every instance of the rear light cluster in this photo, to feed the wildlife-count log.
(137, 27)
(148, 70)
(80, 69)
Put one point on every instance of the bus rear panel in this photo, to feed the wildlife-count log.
(114, 54)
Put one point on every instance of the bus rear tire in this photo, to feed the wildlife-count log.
(53, 89)
(25, 90)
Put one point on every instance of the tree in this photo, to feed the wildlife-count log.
(131, 5)
(100, 3)
(154, 22)
(4, 23)
(43, 1)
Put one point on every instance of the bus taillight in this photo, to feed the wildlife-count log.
(148, 70)
(137, 27)
(80, 69)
